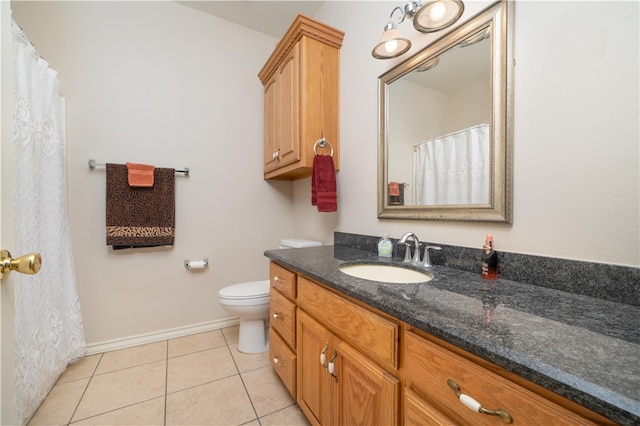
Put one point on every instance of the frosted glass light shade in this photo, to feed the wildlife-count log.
(437, 15)
(391, 44)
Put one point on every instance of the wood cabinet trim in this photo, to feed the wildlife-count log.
(301, 26)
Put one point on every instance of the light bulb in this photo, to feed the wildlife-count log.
(437, 11)
(391, 46)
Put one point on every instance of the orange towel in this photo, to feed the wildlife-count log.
(323, 184)
(394, 189)
(140, 175)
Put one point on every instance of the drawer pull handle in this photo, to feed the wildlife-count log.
(276, 361)
(323, 354)
(474, 405)
(278, 279)
(276, 315)
(331, 366)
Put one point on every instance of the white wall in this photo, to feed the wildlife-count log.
(164, 84)
(576, 189)
(160, 83)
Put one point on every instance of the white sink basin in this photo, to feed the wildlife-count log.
(386, 273)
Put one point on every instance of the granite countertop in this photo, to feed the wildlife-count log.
(583, 348)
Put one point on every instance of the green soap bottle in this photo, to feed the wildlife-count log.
(385, 246)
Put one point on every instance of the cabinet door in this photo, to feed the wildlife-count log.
(313, 382)
(288, 139)
(367, 394)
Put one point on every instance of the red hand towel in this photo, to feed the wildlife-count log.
(140, 175)
(323, 184)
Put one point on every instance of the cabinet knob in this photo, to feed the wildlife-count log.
(276, 361)
(278, 279)
(474, 405)
(278, 316)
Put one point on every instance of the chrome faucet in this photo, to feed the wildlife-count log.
(416, 243)
(426, 261)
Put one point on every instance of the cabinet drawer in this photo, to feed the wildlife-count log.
(418, 413)
(371, 333)
(283, 280)
(429, 367)
(282, 316)
(283, 361)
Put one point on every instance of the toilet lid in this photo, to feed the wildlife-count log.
(247, 290)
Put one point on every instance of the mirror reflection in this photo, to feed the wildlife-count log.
(446, 123)
(438, 128)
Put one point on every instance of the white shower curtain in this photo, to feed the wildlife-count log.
(48, 323)
(453, 169)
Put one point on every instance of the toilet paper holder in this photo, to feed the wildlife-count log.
(196, 264)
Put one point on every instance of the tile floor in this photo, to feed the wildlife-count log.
(200, 379)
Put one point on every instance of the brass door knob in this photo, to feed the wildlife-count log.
(27, 264)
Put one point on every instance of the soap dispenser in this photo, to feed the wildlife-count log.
(385, 246)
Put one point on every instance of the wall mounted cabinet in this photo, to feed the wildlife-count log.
(301, 99)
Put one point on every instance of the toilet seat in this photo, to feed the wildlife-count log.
(254, 292)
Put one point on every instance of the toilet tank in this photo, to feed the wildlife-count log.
(297, 243)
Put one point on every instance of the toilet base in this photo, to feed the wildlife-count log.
(253, 336)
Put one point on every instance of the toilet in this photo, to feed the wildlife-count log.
(250, 302)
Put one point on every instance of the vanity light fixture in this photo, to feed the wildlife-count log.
(434, 15)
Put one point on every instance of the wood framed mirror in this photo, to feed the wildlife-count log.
(446, 126)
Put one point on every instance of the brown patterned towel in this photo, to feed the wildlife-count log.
(140, 216)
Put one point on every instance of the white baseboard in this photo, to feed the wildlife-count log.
(126, 342)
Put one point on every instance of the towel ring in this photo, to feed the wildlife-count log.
(322, 143)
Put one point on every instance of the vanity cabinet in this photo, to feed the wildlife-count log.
(337, 383)
(301, 99)
(344, 363)
(438, 382)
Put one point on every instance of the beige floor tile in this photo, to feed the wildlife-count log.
(60, 404)
(131, 357)
(144, 413)
(231, 334)
(267, 392)
(199, 368)
(290, 416)
(224, 402)
(195, 343)
(248, 362)
(82, 369)
(108, 392)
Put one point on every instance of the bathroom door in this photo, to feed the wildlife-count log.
(7, 343)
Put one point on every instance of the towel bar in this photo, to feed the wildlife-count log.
(93, 165)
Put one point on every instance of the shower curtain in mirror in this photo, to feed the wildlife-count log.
(453, 169)
(48, 323)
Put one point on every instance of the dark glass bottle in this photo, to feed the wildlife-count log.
(489, 260)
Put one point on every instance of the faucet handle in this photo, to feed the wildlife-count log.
(427, 259)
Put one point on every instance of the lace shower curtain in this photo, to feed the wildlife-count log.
(48, 323)
(453, 169)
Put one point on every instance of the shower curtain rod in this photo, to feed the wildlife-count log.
(93, 165)
(449, 134)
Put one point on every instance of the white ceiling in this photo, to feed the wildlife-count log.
(268, 17)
